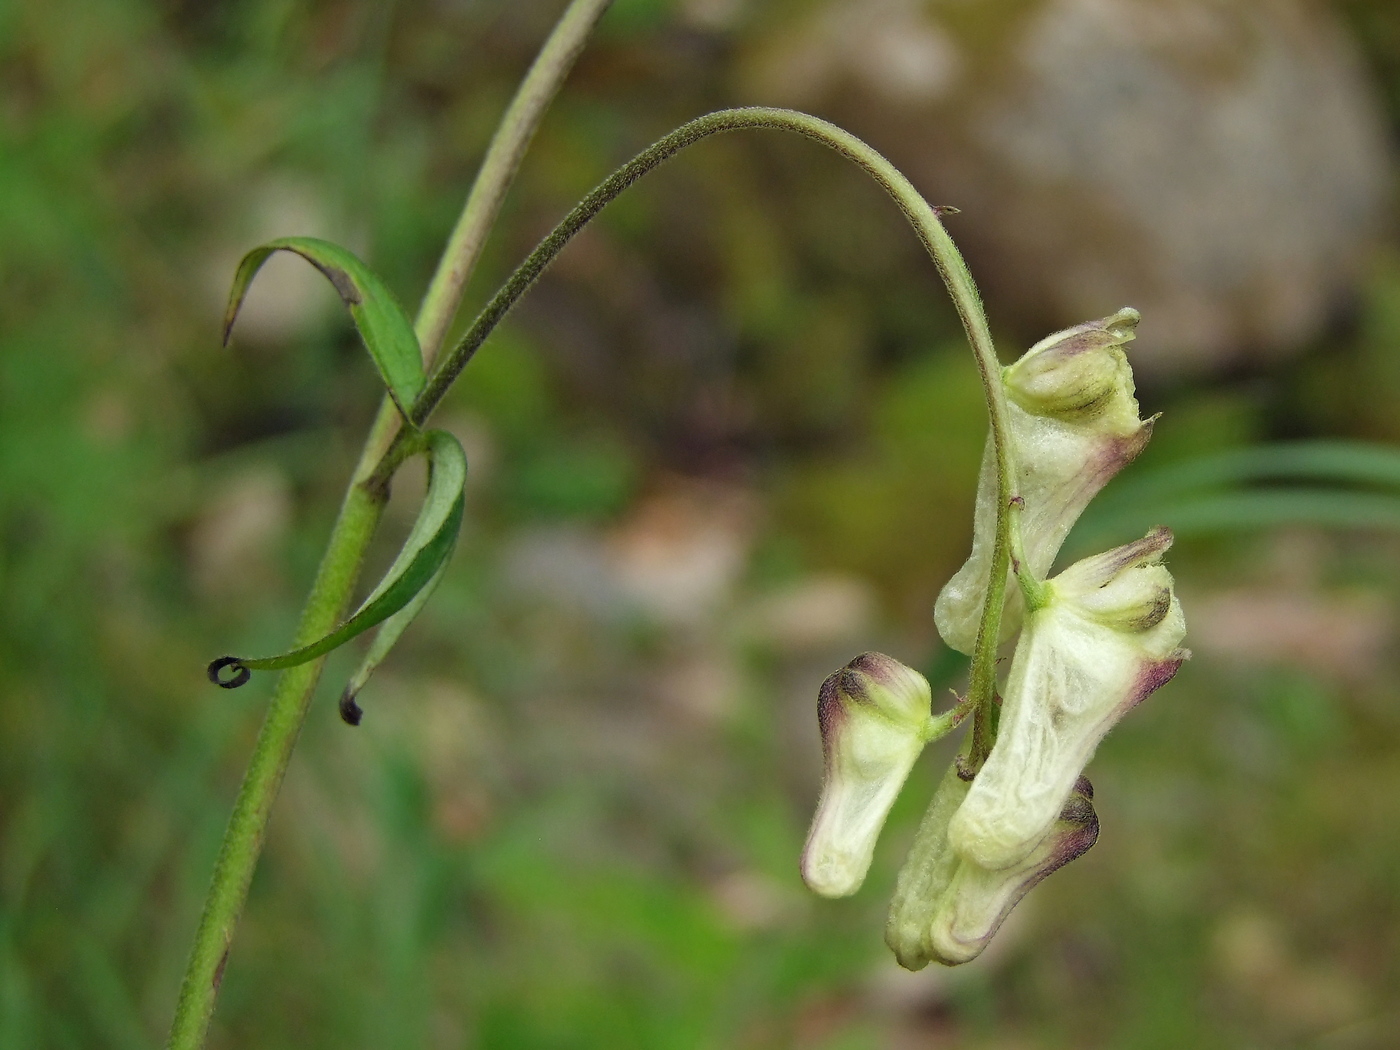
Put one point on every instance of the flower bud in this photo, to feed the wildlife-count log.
(1072, 424)
(1078, 373)
(1107, 637)
(978, 899)
(875, 718)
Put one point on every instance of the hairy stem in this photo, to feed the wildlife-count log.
(350, 538)
(498, 169)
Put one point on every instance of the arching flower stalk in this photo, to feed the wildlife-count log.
(1095, 641)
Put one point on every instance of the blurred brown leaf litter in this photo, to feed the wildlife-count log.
(720, 449)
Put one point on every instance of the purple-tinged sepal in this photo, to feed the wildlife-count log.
(947, 908)
(979, 899)
(1107, 635)
(1072, 424)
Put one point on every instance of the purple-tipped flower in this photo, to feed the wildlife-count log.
(1073, 424)
(1107, 635)
(947, 908)
(979, 899)
(875, 718)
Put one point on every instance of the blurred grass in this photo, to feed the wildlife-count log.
(572, 815)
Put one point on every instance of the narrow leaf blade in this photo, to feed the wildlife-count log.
(384, 640)
(384, 327)
(1336, 462)
(1243, 510)
(416, 568)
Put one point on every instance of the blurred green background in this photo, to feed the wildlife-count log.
(729, 443)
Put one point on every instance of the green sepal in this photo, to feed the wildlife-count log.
(415, 570)
(383, 325)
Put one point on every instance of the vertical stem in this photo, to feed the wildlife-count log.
(238, 854)
(350, 538)
(498, 170)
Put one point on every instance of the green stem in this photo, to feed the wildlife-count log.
(498, 169)
(350, 538)
(922, 216)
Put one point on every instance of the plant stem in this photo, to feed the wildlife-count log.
(925, 220)
(498, 170)
(350, 538)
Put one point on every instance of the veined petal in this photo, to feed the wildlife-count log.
(875, 717)
(1073, 424)
(979, 899)
(1107, 637)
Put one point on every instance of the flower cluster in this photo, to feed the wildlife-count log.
(1094, 641)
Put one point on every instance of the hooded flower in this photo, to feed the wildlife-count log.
(1107, 635)
(1073, 424)
(875, 718)
(947, 908)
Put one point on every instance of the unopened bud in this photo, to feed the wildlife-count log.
(1108, 635)
(875, 719)
(1072, 424)
(1078, 373)
(947, 908)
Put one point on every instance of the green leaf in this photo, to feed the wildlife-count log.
(415, 570)
(1339, 462)
(384, 327)
(1204, 494)
(1250, 509)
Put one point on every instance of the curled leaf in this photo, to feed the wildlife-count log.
(383, 325)
(416, 568)
(384, 639)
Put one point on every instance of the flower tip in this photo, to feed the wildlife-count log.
(830, 871)
(874, 715)
(883, 684)
(1122, 323)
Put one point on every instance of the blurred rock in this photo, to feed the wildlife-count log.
(1344, 636)
(751, 901)
(675, 558)
(1219, 164)
(703, 685)
(1258, 964)
(817, 612)
(679, 553)
(238, 533)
